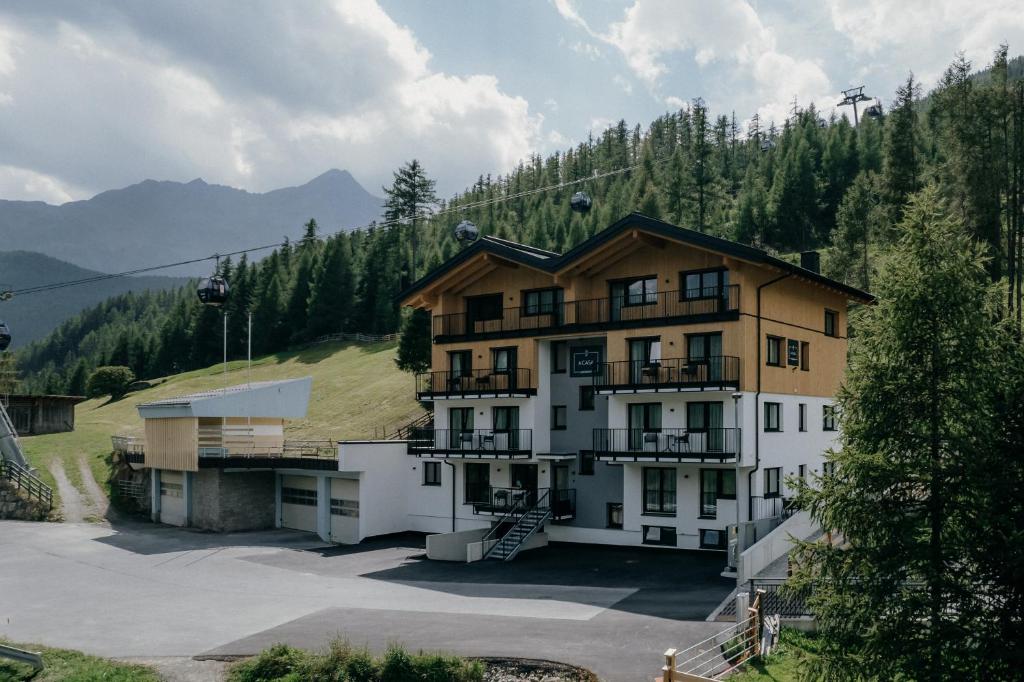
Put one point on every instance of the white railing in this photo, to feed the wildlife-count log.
(222, 441)
(128, 445)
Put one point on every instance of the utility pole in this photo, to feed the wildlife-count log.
(851, 97)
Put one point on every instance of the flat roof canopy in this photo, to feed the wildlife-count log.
(287, 399)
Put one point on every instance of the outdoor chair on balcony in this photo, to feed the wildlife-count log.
(677, 443)
(650, 442)
(650, 371)
(483, 381)
(455, 384)
(501, 499)
(487, 441)
(466, 441)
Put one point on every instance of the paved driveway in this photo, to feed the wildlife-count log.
(150, 591)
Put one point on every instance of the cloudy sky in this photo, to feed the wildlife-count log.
(264, 94)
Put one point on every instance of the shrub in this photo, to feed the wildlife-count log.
(109, 380)
(279, 663)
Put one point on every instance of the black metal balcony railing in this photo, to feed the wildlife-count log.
(474, 382)
(473, 442)
(594, 313)
(488, 499)
(713, 443)
(715, 371)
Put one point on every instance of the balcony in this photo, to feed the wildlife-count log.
(471, 443)
(478, 383)
(239, 447)
(717, 373)
(666, 445)
(499, 501)
(666, 307)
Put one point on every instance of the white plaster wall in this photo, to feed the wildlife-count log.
(384, 469)
(791, 447)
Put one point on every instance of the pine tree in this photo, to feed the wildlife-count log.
(331, 296)
(409, 201)
(414, 343)
(899, 597)
(902, 173)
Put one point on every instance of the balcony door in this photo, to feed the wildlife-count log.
(460, 428)
(478, 482)
(705, 351)
(627, 293)
(482, 309)
(704, 420)
(644, 359)
(524, 482)
(644, 419)
(506, 424)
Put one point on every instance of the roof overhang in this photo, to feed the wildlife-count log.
(276, 399)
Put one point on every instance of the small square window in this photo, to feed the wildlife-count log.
(772, 417)
(774, 351)
(771, 481)
(659, 535)
(558, 417)
(615, 515)
(431, 473)
(712, 538)
(586, 463)
(586, 398)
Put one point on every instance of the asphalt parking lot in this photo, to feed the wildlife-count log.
(151, 591)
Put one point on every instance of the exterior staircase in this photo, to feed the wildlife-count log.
(528, 520)
(10, 448)
(14, 469)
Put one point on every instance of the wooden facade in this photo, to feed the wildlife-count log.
(35, 415)
(172, 443)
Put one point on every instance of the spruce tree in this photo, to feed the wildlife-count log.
(331, 297)
(409, 201)
(903, 590)
(414, 343)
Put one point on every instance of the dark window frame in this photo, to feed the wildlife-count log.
(772, 482)
(720, 475)
(661, 508)
(473, 300)
(584, 405)
(467, 497)
(431, 473)
(719, 289)
(768, 408)
(556, 346)
(609, 508)
(831, 320)
(513, 359)
(801, 411)
(467, 353)
(666, 536)
(556, 300)
(805, 356)
(769, 341)
(587, 463)
(645, 295)
(828, 417)
(723, 538)
(555, 411)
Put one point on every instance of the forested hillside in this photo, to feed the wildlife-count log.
(809, 182)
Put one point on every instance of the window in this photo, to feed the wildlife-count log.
(460, 362)
(558, 413)
(774, 354)
(793, 353)
(712, 538)
(831, 323)
(802, 472)
(636, 291)
(431, 473)
(828, 468)
(486, 307)
(306, 498)
(460, 428)
(703, 284)
(614, 515)
(171, 489)
(541, 301)
(586, 398)
(659, 535)
(644, 359)
(644, 421)
(478, 481)
(346, 507)
(503, 360)
(659, 490)
(802, 411)
(586, 463)
(828, 418)
(559, 356)
(771, 482)
(805, 356)
(715, 484)
(773, 416)
(505, 418)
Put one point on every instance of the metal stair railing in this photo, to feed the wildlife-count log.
(516, 512)
(542, 507)
(10, 448)
(22, 478)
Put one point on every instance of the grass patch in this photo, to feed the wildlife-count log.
(355, 390)
(784, 664)
(73, 666)
(340, 661)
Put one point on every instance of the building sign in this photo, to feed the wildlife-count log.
(585, 361)
(793, 352)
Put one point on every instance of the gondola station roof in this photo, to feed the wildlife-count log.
(287, 399)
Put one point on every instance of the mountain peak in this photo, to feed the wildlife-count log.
(333, 176)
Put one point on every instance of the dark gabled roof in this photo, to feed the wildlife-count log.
(553, 262)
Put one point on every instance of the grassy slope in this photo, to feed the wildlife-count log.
(63, 664)
(355, 390)
(785, 662)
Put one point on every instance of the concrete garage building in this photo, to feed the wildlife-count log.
(218, 460)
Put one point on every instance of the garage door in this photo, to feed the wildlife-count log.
(172, 498)
(344, 511)
(298, 502)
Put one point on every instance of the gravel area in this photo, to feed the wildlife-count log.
(528, 670)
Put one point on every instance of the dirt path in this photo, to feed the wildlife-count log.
(100, 504)
(72, 506)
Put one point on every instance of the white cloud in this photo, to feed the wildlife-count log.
(623, 83)
(674, 102)
(261, 99)
(588, 50)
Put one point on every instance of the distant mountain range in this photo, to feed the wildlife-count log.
(33, 316)
(153, 223)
